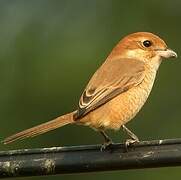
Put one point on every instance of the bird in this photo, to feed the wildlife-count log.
(117, 90)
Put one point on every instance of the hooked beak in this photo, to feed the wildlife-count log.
(167, 53)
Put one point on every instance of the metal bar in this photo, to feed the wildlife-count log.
(77, 159)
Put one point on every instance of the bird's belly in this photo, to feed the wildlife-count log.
(122, 108)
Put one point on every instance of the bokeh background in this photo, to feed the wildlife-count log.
(48, 51)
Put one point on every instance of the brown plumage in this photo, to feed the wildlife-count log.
(117, 90)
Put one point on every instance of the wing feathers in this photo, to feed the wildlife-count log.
(112, 78)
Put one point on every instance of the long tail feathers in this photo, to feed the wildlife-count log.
(42, 128)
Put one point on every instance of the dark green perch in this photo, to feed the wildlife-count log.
(77, 159)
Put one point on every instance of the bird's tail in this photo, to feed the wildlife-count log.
(42, 128)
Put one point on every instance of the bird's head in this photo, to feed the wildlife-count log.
(143, 46)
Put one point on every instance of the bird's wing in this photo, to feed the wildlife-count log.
(111, 79)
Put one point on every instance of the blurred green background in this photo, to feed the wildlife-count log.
(48, 51)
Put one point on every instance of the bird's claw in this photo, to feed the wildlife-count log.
(129, 142)
(106, 145)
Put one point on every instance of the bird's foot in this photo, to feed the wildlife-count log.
(134, 139)
(130, 142)
(106, 145)
(107, 141)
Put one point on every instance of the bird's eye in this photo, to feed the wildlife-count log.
(147, 43)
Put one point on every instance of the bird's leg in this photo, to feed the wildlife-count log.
(133, 139)
(107, 142)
